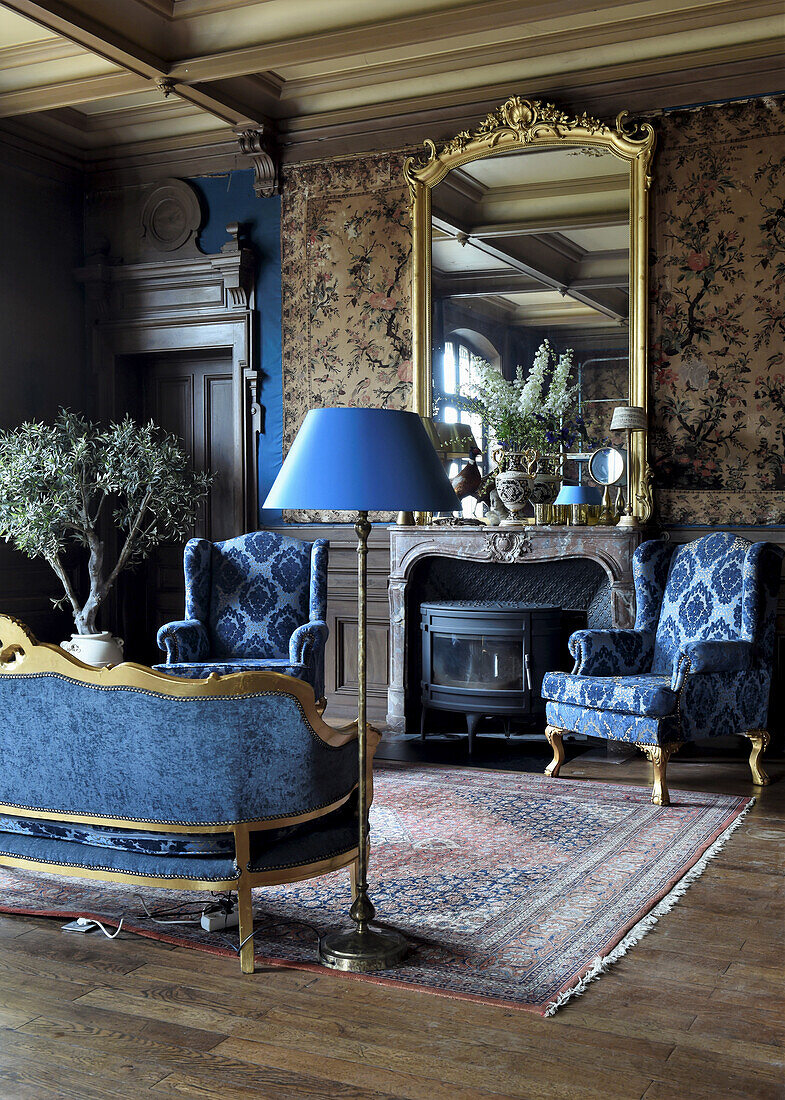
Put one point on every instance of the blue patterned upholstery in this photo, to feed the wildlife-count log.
(254, 602)
(698, 662)
(611, 652)
(127, 840)
(645, 693)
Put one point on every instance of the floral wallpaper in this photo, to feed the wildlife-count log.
(346, 249)
(717, 321)
(717, 318)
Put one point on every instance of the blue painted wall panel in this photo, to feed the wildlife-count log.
(230, 198)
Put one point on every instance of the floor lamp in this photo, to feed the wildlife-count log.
(362, 460)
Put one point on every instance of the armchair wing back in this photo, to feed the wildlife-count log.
(697, 663)
(717, 590)
(252, 592)
(256, 601)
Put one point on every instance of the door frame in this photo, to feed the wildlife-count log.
(182, 305)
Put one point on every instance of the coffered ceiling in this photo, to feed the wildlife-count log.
(536, 238)
(120, 84)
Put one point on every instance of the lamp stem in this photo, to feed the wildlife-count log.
(362, 910)
(364, 948)
(628, 517)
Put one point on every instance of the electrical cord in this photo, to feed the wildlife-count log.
(238, 949)
(186, 914)
(86, 924)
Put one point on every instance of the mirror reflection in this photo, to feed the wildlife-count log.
(606, 466)
(528, 246)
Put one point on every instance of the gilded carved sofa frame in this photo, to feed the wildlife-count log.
(22, 658)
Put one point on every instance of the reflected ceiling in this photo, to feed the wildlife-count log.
(537, 238)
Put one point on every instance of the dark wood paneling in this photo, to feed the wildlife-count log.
(27, 588)
(192, 397)
(341, 654)
(341, 658)
(223, 503)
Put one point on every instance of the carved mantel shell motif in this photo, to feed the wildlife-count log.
(508, 546)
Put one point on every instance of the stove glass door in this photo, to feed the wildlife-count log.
(477, 662)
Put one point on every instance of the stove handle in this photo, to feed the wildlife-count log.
(527, 666)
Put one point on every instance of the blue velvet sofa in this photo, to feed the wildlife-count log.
(255, 602)
(698, 662)
(127, 774)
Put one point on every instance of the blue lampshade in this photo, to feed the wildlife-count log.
(579, 494)
(362, 460)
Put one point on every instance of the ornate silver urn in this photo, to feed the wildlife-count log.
(515, 483)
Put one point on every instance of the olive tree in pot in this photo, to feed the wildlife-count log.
(62, 483)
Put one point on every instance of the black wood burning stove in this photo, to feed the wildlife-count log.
(487, 659)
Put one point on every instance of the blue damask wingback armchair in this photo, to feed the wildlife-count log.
(255, 602)
(698, 662)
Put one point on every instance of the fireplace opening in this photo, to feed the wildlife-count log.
(571, 593)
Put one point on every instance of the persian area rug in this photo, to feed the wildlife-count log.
(513, 888)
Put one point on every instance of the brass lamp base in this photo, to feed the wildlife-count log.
(362, 951)
(628, 521)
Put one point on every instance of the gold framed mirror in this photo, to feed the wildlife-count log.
(536, 223)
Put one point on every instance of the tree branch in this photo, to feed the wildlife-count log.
(94, 520)
(125, 553)
(65, 580)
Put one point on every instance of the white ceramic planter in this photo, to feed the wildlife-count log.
(95, 649)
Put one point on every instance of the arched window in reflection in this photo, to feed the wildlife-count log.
(451, 375)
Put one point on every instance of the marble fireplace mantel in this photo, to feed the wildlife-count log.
(611, 547)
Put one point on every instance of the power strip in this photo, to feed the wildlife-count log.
(217, 921)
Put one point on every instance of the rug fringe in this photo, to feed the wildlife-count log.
(603, 963)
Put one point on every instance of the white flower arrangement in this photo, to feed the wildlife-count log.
(529, 410)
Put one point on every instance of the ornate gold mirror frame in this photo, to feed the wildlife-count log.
(516, 125)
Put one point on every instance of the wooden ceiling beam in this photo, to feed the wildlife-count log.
(488, 34)
(70, 93)
(99, 38)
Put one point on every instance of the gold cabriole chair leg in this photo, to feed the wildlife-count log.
(659, 756)
(242, 851)
(245, 927)
(759, 740)
(555, 735)
(353, 869)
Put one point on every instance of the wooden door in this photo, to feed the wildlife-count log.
(193, 397)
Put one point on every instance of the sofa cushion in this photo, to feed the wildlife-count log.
(200, 670)
(127, 840)
(644, 694)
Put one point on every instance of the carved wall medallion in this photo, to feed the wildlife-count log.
(171, 217)
(508, 546)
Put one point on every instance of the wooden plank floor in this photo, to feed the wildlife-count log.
(697, 1009)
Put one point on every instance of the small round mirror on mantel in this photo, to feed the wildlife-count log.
(607, 465)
